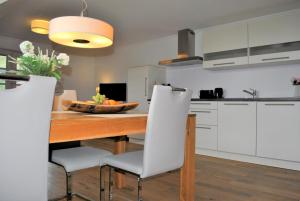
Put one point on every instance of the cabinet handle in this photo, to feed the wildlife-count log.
(201, 103)
(221, 64)
(236, 103)
(202, 111)
(145, 86)
(275, 58)
(280, 104)
(207, 128)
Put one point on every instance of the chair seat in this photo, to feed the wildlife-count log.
(130, 161)
(78, 158)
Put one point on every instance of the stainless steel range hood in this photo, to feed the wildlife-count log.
(186, 50)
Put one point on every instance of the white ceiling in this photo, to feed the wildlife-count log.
(137, 20)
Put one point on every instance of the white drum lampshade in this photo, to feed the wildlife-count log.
(81, 32)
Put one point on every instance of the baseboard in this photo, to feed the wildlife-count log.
(250, 159)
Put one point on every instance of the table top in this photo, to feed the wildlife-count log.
(73, 126)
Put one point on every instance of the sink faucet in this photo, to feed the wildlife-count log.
(252, 92)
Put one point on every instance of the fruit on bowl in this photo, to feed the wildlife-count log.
(102, 100)
(98, 98)
(111, 102)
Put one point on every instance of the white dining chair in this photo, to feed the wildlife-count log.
(75, 158)
(164, 140)
(25, 115)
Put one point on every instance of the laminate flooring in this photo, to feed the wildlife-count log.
(216, 180)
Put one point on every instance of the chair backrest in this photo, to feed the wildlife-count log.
(67, 95)
(25, 115)
(165, 133)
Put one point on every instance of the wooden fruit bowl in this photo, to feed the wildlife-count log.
(91, 107)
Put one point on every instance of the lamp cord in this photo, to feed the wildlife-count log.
(84, 7)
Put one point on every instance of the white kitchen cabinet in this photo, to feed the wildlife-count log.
(237, 127)
(275, 38)
(140, 86)
(207, 105)
(227, 62)
(275, 57)
(278, 130)
(206, 137)
(225, 37)
(225, 45)
(205, 116)
(206, 124)
(274, 29)
(269, 39)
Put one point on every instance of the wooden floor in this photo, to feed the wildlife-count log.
(216, 180)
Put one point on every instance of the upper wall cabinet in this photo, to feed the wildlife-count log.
(275, 29)
(225, 37)
(225, 45)
(275, 38)
(272, 38)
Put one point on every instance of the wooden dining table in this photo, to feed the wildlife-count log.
(71, 126)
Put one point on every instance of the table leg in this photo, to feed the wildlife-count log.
(187, 173)
(120, 147)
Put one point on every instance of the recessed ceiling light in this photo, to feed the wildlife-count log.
(40, 26)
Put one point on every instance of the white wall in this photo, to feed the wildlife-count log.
(80, 75)
(113, 68)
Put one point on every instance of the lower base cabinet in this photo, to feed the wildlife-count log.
(266, 133)
(207, 137)
(278, 130)
(237, 127)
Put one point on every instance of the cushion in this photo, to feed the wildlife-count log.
(78, 158)
(129, 161)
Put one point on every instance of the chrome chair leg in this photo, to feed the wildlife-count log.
(110, 186)
(70, 193)
(69, 186)
(139, 189)
(101, 189)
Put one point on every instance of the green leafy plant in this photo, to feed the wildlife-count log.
(39, 64)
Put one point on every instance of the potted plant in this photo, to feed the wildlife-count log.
(41, 63)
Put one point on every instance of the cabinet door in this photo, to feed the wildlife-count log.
(208, 105)
(225, 46)
(205, 117)
(278, 130)
(138, 86)
(237, 127)
(225, 37)
(274, 29)
(207, 137)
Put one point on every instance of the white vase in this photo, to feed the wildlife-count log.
(297, 91)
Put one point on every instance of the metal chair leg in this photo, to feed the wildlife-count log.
(139, 189)
(69, 186)
(70, 193)
(110, 186)
(101, 189)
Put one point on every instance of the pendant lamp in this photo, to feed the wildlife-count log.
(80, 31)
(39, 26)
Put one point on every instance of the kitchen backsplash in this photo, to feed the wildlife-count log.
(269, 81)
